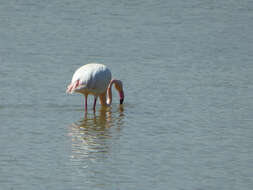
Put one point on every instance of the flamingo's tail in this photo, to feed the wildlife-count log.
(72, 86)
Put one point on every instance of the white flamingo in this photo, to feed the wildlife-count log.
(95, 79)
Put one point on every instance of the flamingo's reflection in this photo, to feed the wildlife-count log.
(93, 136)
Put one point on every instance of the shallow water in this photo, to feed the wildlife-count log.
(187, 118)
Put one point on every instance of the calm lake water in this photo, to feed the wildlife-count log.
(187, 69)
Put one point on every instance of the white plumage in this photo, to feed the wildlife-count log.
(95, 79)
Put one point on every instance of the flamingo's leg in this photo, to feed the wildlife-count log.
(94, 104)
(102, 98)
(86, 97)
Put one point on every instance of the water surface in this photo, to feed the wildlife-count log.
(187, 118)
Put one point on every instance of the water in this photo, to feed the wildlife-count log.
(187, 72)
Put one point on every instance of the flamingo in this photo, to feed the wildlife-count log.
(95, 79)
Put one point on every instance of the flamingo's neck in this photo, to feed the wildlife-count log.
(106, 98)
(109, 92)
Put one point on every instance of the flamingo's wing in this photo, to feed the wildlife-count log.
(72, 87)
(92, 77)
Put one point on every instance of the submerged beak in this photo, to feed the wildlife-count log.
(121, 95)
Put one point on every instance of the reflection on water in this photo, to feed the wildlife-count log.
(91, 137)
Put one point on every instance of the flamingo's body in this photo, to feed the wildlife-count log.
(95, 79)
(92, 78)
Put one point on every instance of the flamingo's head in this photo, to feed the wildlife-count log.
(119, 88)
(121, 95)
